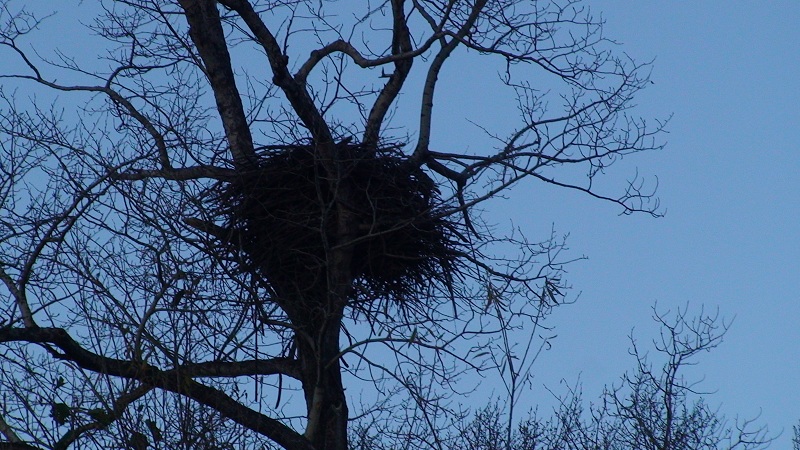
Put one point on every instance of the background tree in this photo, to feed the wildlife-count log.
(652, 407)
(213, 228)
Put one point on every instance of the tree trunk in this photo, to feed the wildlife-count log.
(317, 311)
(322, 378)
(324, 393)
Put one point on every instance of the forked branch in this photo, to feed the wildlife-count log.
(170, 380)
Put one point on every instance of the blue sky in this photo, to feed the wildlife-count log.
(728, 179)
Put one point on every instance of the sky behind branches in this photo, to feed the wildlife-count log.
(725, 75)
(726, 71)
(728, 181)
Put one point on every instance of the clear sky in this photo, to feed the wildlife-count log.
(728, 71)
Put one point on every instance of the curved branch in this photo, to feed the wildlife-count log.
(54, 233)
(426, 111)
(348, 49)
(295, 91)
(171, 380)
(119, 407)
(19, 298)
(115, 97)
(401, 44)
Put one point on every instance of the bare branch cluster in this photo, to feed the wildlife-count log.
(652, 407)
(132, 312)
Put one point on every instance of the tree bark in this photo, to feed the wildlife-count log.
(205, 29)
(324, 392)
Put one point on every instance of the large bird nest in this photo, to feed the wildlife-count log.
(282, 226)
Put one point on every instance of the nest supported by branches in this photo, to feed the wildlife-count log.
(281, 219)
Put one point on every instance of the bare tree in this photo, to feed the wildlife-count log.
(210, 226)
(652, 407)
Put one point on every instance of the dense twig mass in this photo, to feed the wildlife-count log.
(279, 222)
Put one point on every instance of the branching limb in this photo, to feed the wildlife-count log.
(106, 89)
(401, 45)
(172, 381)
(426, 111)
(19, 298)
(294, 90)
(8, 433)
(117, 409)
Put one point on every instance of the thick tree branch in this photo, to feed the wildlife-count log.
(19, 298)
(17, 446)
(172, 380)
(401, 43)
(426, 110)
(283, 366)
(295, 91)
(348, 49)
(181, 174)
(205, 29)
(225, 235)
(117, 410)
(8, 433)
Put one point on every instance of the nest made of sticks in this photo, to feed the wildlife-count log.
(280, 215)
